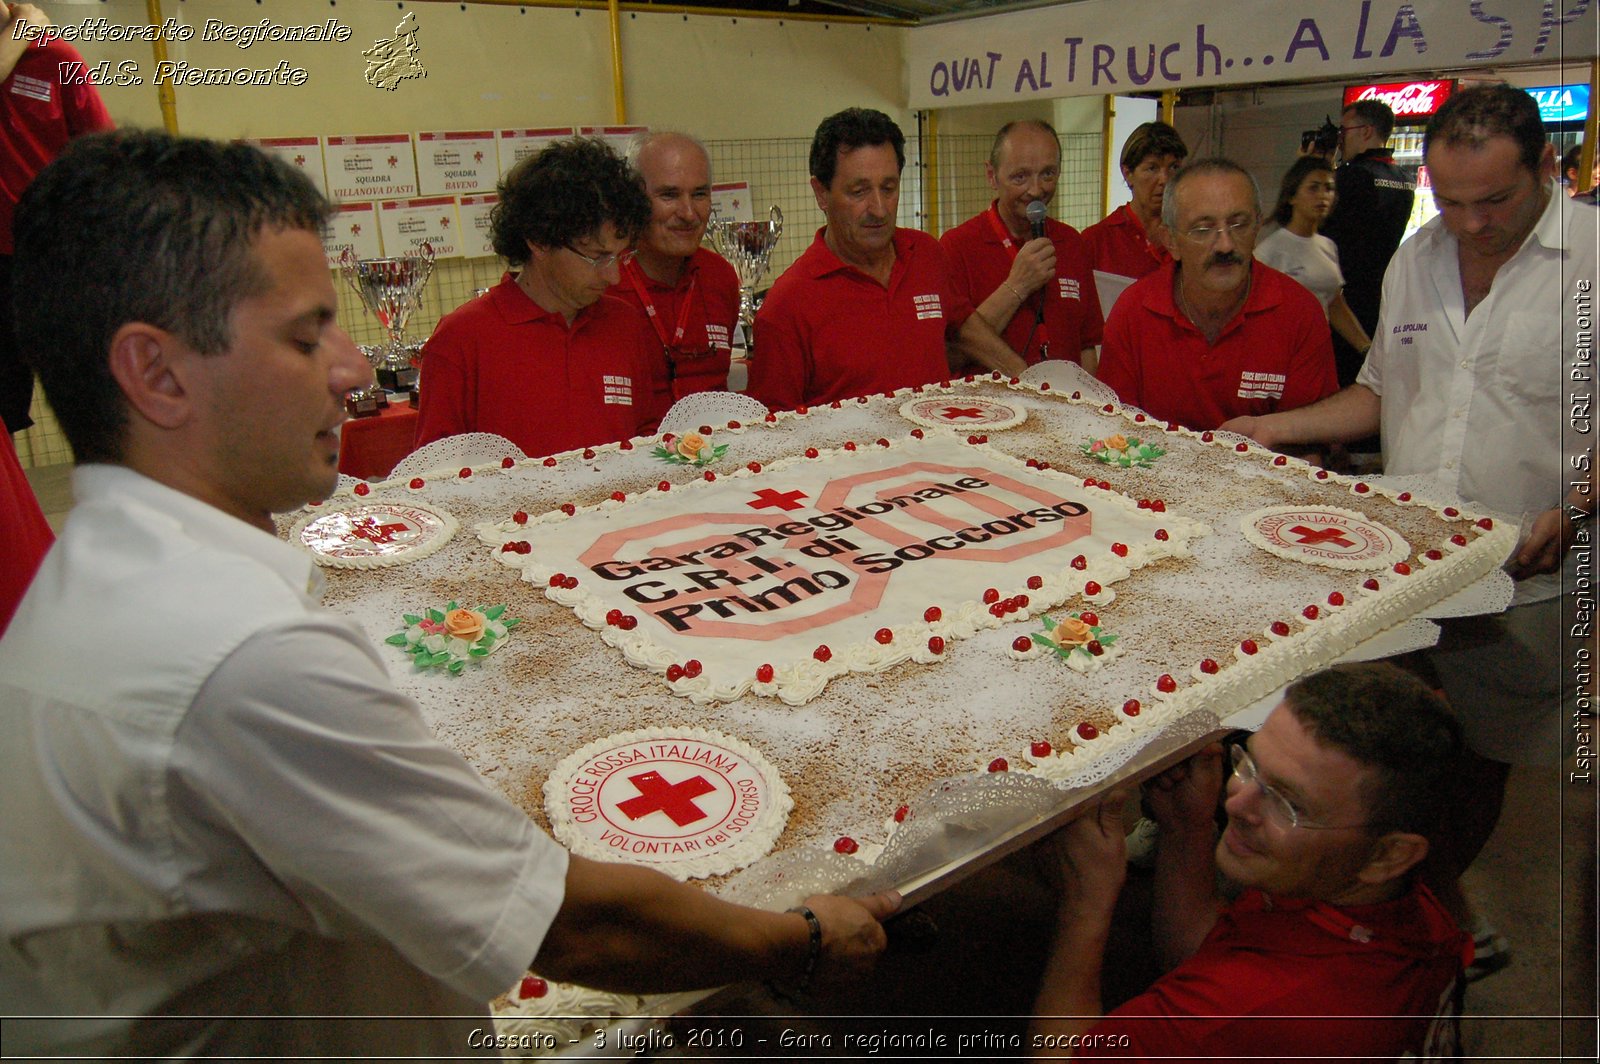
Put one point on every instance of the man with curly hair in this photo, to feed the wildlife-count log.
(546, 358)
(869, 307)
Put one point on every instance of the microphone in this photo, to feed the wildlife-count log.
(1036, 212)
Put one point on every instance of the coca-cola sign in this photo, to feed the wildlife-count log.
(1407, 99)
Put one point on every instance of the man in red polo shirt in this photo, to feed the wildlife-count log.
(1334, 945)
(689, 293)
(1028, 275)
(1127, 242)
(546, 358)
(41, 108)
(868, 307)
(1214, 334)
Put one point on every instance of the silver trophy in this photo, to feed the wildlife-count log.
(391, 288)
(748, 247)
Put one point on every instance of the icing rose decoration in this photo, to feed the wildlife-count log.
(1070, 630)
(1123, 451)
(690, 446)
(466, 625)
(1117, 442)
(1078, 639)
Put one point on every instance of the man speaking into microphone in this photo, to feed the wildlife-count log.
(1028, 275)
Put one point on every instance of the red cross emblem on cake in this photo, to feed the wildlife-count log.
(1324, 535)
(783, 500)
(970, 412)
(676, 800)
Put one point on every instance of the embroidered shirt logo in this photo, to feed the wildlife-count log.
(717, 335)
(32, 88)
(927, 306)
(1068, 287)
(618, 391)
(1405, 328)
(1261, 385)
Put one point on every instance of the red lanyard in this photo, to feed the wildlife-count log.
(636, 277)
(1010, 244)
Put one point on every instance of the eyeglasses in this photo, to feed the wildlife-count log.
(1363, 125)
(602, 262)
(1279, 809)
(1207, 234)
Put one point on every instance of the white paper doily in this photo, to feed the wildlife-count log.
(714, 409)
(1069, 377)
(454, 452)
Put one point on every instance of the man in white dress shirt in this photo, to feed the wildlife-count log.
(1480, 325)
(225, 830)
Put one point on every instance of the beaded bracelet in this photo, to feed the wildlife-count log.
(814, 950)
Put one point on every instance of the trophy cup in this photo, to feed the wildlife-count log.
(748, 247)
(390, 288)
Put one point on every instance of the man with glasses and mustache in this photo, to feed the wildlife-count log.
(1215, 335)
(546, 358)
(1333, 945)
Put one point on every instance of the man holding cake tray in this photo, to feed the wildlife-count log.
(869, 307)
(1334, 944)
(226, 833)
(1481, 310)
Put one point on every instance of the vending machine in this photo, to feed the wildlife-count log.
(1413, 103)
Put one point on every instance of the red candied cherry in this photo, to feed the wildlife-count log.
(532, 987)
(1242, 448)
(1035, 583)
(990, 596)
(1172, 426)
(1014, 380)
(1091, 588)
(1040, 748)
(1280, 461)
(568, 509)
(935, 644)
(1080, 563)
(735, 425)
(1161, 534)
(1310, 613)
(1402, 568)
(802, 410)
(771, 419)
(882, 442)
(709, 476)
(1108, 408)
(692, 667)
(1209, 666)
(1361, 487)
(572, 582)
(1077, 395)
(850, 445)
(524, 547)
(972, 439)
(520, 517)
(1451, 511)
(1249, 646)
(625, 445)
(822, 653)
(628, 623)
(846, 845)
(507, 462)
(1433, 554)
(1139, 418)
(619, 496)
(361, 489)
(1322, 474)
(1103, 485)
(999, 764)
(884, 636)
(613, 617)
(1459, 540)
(1087, 731)
(674, 672)
(997, 609)
(1143, 504)
(1044, 465)
(1485, 523)
(932, 614)
(1336, 598)
(1088, 482)
(864, 398)
(588, 452)
(1280, 628)
(811, 452)
(754, 467)
(901, 813)
(558, 580)
(1166, 684)
(1022, 644)
(1404, 496)
(1093, 646)
(836, 405)
(1021, 602)
(705, 430)
(1044, 386)
(1119, 549)
(1131, 707)
(983, 438)
(466, 471)
(549, 463)
(1157, 506)
(665, 485)
(918, 434)
(1370, 584)
(1207, 437)
(667, 437)
(508, 548)
(1090, 618)
(995, 375)
(764, 673)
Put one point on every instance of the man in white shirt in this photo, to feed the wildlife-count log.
(1465, 381)
(223, 824)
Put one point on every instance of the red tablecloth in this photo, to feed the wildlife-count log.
(369, 447)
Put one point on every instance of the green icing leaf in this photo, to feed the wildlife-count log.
(410, 619)
(456, 666)
(512, 622)
(436, 616)
(398, 639)
(477, 652)
(493, 612)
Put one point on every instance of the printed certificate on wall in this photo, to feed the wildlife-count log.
(370, 167)
(408, 224)
(450, 164)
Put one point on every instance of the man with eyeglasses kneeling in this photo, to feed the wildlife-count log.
(1333, 944)
(1215, 335)
(546, 358)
